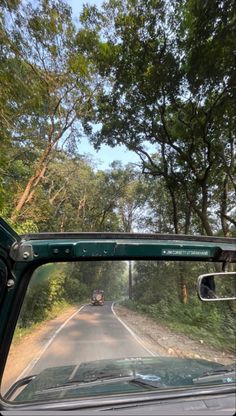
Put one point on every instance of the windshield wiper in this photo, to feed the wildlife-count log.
(148, 381)
(93, 381)
(17, 385)
(105, 379)
(227, 373)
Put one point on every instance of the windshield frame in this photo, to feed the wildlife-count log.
(44, 245)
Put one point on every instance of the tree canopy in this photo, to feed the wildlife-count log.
(170, 82)
(154, 76)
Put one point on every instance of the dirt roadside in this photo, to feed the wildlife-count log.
(34, 342)
(163, 341)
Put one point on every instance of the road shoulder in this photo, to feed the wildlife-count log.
(18, 359)
(166, 342)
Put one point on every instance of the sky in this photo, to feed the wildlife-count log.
(106, 155)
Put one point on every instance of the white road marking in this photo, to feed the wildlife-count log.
(73, 372)
(33, 362)
(132, 333)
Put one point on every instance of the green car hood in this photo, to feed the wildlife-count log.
(83, 379)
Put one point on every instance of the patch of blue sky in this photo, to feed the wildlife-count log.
(106, 155)
(77, 7)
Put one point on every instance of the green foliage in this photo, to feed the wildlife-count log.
(213, 324)
(136, 68)
(43, 296)
(209, 41)
(23, 331)
(167, 86)
(53, 285)
(47, 91)
(105, 275)
(25, 227)
(75, 291)
(157, 291)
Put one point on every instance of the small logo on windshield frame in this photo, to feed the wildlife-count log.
(185, 252)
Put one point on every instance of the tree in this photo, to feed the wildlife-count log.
(155, 94)
(109, 276)
(57, 85)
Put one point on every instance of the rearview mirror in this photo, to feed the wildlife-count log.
(217, 286)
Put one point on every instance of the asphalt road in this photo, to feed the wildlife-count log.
(92, 334)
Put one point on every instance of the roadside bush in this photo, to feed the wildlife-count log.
(34, 308)
(213, 322)
(41, 298)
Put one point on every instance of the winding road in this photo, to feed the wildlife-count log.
(92, 333)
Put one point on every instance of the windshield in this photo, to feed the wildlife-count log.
(151, 332)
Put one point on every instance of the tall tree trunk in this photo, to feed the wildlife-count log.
(205, 223)
(33, 181)
(130, 281)
(201, 212)
(223, 211)
(183, 284)
(204, 215)
(187, 220)
(183, 288)
(42, 163)
(175, 211)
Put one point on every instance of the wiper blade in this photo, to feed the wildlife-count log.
(17, 385)
(147, 381)
(85, 383)
(225, 373)
(223, 369)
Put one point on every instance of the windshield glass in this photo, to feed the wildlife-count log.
(96, 328)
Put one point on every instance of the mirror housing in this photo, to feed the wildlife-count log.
(217, 286)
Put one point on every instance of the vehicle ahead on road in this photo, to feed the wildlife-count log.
(97, 297)
(188, 279)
